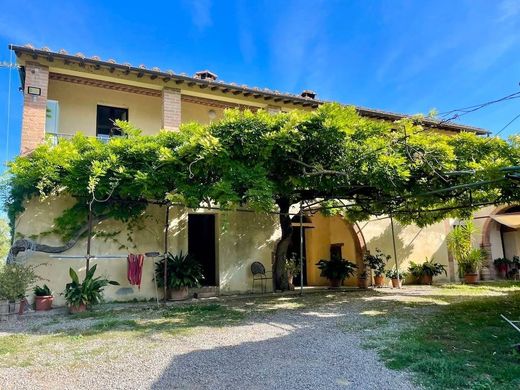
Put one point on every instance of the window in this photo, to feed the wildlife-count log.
(52, 117)
(106, 116)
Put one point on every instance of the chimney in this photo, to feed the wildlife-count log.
(308, 94)
(205, 75)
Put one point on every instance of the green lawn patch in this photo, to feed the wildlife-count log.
(462, 345)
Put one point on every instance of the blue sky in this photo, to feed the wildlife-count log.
(402, 56)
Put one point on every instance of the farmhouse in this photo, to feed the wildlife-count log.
(69, 93)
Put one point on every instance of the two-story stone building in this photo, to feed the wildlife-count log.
(65, 93)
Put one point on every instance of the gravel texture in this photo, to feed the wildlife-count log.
(302, 348)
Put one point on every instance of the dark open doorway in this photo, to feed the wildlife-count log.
(294, 247)
(201, 245)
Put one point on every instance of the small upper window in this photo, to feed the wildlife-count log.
(106, 116)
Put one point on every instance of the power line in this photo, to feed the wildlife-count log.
(8, 120)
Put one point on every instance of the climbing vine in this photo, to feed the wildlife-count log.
(332, 156)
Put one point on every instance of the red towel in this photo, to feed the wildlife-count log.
(135, 269)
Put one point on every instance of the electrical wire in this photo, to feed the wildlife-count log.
(8, 108)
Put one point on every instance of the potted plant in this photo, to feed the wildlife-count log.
(376, 264)
(363, 279)
(336, 270)
(502, 265)
(182, 272)
(15, 280)
(425, 272)
(292, 266)
(396, 277)
(80, 296)
(469, 259)
(470, 264)
(42, 298)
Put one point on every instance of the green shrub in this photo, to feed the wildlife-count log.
(89, 292)
(15, 280)
(182, 270)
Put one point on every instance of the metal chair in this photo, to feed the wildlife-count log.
(260, 275)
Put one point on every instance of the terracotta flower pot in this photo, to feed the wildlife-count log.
(397, 283)
(502, 270)
(379, 281)
(4, 310)
(42, 303)
(290, 280)
(362, 283)
(335, 282)
(471, 278)
(426, 279)
(178, 294)
(73, 309)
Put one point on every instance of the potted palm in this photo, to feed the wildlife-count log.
(182, 272)
(80, 296)
(336, 270)
(469, 259)
(470, 264)
(396, 277)
(42, 298)
(425, 272)
(376, 263)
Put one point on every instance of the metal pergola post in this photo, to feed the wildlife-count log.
(89, 235)
(165, 270)
(301, 248)
(395, 252)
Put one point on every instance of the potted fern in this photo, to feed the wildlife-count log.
(182, 272)
(80, 296)
(42, 298)
(426, 271)
(336, 270)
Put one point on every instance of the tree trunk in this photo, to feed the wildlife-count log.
(24, 244)
(279, 274)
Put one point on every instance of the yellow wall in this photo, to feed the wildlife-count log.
(412, 243)
(327, 231)
(242, 239)
(78, 107)
(192, 112)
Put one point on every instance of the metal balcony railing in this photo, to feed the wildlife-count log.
(56, 137)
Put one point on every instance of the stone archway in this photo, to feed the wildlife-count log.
(491, 238)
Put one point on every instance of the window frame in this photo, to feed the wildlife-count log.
(110, 132)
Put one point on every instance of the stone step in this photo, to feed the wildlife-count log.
(205, 292)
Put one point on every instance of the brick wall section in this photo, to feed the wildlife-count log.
(34, 107)
(171, 109)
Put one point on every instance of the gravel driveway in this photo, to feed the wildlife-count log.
(304, 348)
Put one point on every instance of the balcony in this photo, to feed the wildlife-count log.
(56, 137)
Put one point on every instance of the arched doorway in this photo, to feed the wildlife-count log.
(324, 235)
(501, 234)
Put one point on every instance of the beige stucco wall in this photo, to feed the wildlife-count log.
(242, 239)
(192, 112)
(327, 231)
(78, 107)
(412, 243)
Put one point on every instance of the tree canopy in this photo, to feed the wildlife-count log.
(270, 162)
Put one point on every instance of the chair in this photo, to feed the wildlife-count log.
(260, 275)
